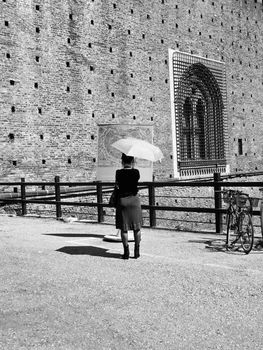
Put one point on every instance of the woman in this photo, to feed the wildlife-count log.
(128, 211)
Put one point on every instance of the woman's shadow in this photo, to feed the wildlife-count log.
(88, 250)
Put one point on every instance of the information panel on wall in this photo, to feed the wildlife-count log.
(109, 159)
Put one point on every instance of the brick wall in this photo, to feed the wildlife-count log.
(66, 66)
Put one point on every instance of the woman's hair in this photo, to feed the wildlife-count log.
(127, 159)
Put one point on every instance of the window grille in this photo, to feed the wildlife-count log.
(199, 88)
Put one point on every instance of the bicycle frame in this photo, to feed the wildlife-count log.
(239, 220)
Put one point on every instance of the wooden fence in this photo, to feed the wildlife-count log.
(98, 189)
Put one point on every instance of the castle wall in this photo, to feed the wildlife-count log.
(67, 66)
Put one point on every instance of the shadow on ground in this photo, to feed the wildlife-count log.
(88, 250)
(219, 245)
(89, 235)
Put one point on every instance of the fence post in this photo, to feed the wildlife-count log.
(58, 198)
(218, 203)
(23, 196)
(261, 217)
(151, 191)
(99, 201)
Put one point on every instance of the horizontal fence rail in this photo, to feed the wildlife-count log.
(63, 190)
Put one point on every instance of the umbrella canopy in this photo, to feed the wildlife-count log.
(138, 148)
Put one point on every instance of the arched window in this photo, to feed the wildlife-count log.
(199, 115)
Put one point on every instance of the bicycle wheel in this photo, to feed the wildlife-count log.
(232, 230)
(246, 231)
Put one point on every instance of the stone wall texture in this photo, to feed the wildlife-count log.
(68, 65)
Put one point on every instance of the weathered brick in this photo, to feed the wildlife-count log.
(125, 43)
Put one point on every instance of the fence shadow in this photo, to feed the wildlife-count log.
(219, 245)
(88, 250)
(87, 235)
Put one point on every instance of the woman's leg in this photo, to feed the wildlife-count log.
(137, 239)
(124, 238)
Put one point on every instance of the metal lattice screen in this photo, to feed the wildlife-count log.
(200, 113)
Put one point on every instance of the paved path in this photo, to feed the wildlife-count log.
(63, 287)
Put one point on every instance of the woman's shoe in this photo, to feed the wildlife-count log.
(126, 254)
(136, 251)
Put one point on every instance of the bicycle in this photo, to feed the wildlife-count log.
(239, 220)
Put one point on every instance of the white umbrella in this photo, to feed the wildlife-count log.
(138, 148)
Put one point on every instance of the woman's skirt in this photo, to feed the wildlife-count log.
(129, 213)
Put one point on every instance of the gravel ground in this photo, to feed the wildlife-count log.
(63, 287)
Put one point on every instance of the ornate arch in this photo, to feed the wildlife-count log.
(200, 99)
(199, 87)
